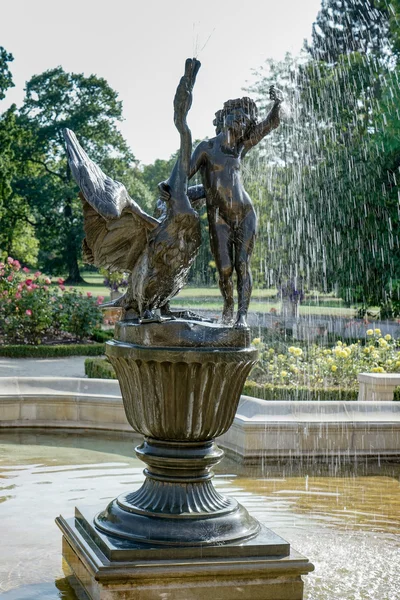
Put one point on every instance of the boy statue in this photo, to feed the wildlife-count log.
(231, 215)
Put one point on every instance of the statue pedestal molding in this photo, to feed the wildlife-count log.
(177, 537)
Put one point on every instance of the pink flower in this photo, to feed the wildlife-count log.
(25, 270)
(18, 296)
(10, 277)
(10, 260)
(1, 265)
(28, 312)
(20, 286)
(1, 272)
(62, 287)
(28, 281)
(99, 299)
(60, 280)
(89, 294)
(38, 274)
(60, 306)
(45, 287)
(47, 280)
(29, 288)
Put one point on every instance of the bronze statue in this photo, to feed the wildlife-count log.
(231, 216)
(120, 236)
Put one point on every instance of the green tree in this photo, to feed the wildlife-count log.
(17, 235)
(6, 80)
(344, 26)
(87, 105)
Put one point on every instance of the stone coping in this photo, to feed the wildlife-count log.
(254, 410)
(250, 410)
(380, 378)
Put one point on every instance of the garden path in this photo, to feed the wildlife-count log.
(71, 366)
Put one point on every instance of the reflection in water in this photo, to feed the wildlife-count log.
(344, 519)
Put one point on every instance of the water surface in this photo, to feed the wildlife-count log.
(344, 518)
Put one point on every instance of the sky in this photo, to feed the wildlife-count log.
(140, 47)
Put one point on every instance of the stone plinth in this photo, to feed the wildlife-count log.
(263, 568)
(377, 387)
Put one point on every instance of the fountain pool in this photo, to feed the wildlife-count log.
(345, 518)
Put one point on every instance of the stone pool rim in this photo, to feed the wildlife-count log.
(261, 428)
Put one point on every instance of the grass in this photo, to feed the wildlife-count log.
(202, 298)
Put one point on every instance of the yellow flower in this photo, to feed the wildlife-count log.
(378, 370)
(367, 349)
(281, 356)
(294, 350)
(377, 331)
(397, 365)
(339, 343)
(389, 362)
(283, 373)
(334, 368)
(271, 351)
(294, 369)
(340, 352)
(388, 337)
(370, 332)
(257, 341)
(383, 343)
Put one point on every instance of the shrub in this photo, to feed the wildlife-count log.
(30, 309)
(99, 368)
(268, 391)
(78, 314)
(44, 351)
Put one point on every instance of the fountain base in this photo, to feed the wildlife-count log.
(177, 537)
(109, 568)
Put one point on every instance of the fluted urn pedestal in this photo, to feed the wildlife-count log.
(181, 382)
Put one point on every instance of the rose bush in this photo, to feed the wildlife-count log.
(30, 308)
(319, 367)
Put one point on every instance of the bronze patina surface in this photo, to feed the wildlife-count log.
(158, 253)
(182, 333)
(231, 216)
(180, 399)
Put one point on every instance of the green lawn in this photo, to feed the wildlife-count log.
(210, 298)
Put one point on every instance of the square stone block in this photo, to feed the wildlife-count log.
(264, 568)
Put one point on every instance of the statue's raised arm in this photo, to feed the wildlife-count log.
(263, 128)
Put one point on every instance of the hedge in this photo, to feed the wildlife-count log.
(29, 351)
(269, 391)
(99, 368)
(103, 335)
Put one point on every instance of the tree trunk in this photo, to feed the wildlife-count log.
(74, 275)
